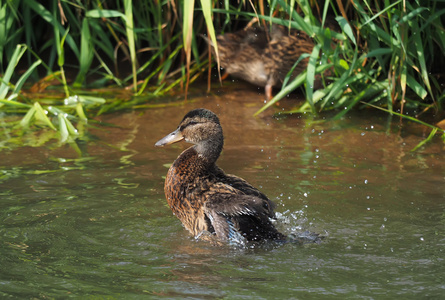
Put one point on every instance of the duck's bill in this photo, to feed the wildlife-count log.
(171, 138)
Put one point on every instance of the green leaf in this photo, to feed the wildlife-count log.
(429, 138)
(289, 88)
(48, 17)
(91, 100)
(86, 53)
(24, 77)
(104, 13)
(187, 28)
(80, 112)
(421, 57)
(207, 12)
(379, 52)
(41, 115)
(310, 78)
(14, 103)
(61, 49)
(4, 87)
(129, 27)
(416, 87)
(26, 121)
(344, 25)
(63, 130)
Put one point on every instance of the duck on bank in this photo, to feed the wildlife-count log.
(262, 56)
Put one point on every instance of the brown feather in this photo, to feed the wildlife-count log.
(204, 198)
(265, 57)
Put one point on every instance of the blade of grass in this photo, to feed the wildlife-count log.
(429, 138)
(403, 116)
(369, 92)
(80, 112)
(26, 120)
(129, 26)
(421, 57)
(207, 11)
(4, 87)
(46, 15)
(344, 25)
(63, 130)
(14, 103)
(187, 32)
(311, 75)
(104, 13)
(296, 17)
(86, 54)
(416, 87)
(41, 115)
(299, 80)
(24, 77)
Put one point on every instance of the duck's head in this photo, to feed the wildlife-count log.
(200, 127)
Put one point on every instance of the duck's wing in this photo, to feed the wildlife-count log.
(235, 216)
(243, 187)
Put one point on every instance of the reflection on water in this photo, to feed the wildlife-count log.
(99, 224)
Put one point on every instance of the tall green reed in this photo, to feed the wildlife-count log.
(384, 53)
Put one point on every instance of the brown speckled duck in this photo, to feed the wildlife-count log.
(263, 57)
(205, 198)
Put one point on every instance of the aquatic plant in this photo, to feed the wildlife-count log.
(384, 53)
(387, 55)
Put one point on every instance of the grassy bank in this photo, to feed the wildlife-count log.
(381, 53)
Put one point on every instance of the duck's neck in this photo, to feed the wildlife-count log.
(210, 149)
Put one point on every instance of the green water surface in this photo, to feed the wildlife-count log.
(98, 225)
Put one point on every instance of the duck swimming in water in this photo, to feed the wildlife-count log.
(205, 198)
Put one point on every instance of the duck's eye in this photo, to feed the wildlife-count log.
(191, 123)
